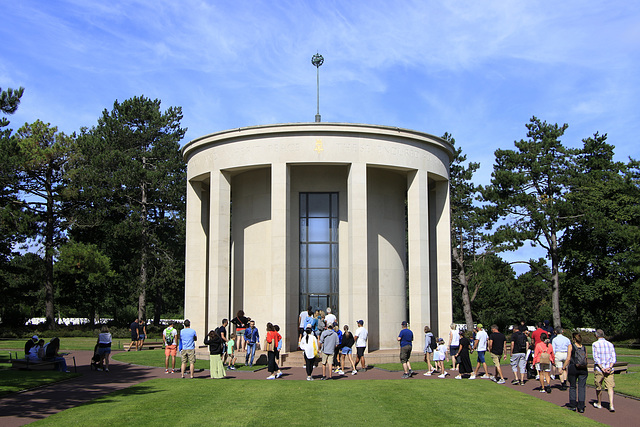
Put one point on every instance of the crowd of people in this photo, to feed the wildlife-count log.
(545, 353)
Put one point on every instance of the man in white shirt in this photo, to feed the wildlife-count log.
(330, 318)
(361, 336)
(560, 350)
(480, 345)
(302, 319)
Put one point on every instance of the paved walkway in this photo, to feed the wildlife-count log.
(29, 406)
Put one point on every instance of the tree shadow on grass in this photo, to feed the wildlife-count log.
(45, 401)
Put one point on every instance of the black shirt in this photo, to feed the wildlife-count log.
(497, 342)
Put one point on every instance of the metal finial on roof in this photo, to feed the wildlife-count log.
(317, 60)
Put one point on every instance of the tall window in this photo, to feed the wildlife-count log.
(319, 251)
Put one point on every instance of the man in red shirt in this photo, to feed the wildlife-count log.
(536, 334)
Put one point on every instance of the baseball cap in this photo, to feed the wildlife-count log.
(479, 325)
(360, 322)
(35, 337)
(404, 323)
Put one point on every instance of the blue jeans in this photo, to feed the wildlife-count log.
(251, 350)
(61, 364)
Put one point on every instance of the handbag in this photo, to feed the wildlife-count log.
(545, 358)
(269, 346)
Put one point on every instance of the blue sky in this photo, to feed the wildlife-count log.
(478, 70)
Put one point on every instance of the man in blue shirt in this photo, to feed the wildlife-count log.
(406, 344)
(560, 350)
(251, 338)
(188, 340)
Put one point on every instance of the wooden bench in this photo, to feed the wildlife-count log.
(30, 365)
(618, 367)
(147, 344)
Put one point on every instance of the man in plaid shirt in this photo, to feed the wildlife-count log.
(604, 356)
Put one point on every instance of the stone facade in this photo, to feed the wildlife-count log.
(388, 239)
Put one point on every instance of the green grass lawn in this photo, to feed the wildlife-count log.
(12, 381)
(375, 402)
(156, 358)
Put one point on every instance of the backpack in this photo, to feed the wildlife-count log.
(169, 334)
(545, 357)
(519, 343)
(580, 357)
(433, 344)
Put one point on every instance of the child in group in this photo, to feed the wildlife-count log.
(230, 356)
(438, 357)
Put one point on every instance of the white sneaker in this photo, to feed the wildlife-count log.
(279, 374)
(542, 391)
(441, 376)
(354, 372)
(427, 374)
(485, 376)
(166, 371)
(597, 405)
(458, 377)
(309, 379)
(537, 377)
(271, 377)
(491, 377)
(501, 381)
(553, 377)
(472, 377)
(340, 372)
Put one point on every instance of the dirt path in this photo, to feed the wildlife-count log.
(29, 406)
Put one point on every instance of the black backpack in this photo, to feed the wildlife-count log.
(580, 357)
(433, 344)
(520, 343)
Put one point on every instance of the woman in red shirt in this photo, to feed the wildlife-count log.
(544, 358)
(273, 337)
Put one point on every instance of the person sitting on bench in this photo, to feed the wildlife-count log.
(51, 350)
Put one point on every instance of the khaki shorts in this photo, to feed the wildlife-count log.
(561, 356)
(405, 353)
(600, 377)
(327, 358)
(496, 359)
(188, 356)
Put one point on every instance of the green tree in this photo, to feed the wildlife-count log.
(42, 153)
(528, 197)
(10, 207)
(128, 177)
(601, 251)
(495, 282)
(466, 240)
(84, 278)
(22, 289)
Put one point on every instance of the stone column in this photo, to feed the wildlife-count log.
(197, 231)
(443, 239)
(283, 303)
(355, 292)
(418, 236)
(219, 241)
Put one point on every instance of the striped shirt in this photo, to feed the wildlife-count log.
(604, 355)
